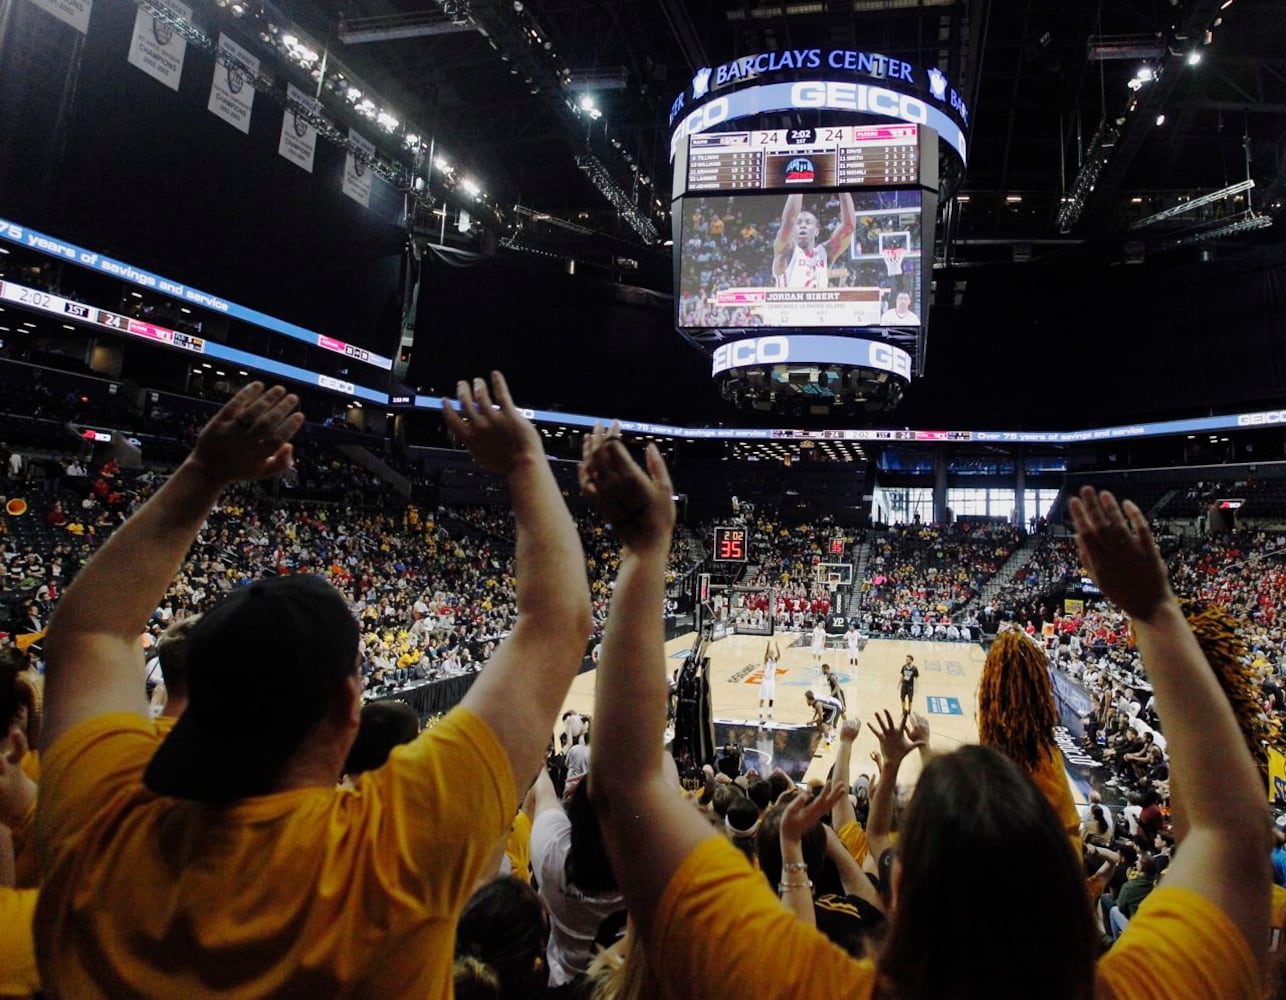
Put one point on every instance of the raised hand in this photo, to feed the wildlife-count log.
(249, 437)
(850, 731)
(895, 744)
(803, 812)
(639, 505)
(498, 436)
(1117, 547)
(917, 729)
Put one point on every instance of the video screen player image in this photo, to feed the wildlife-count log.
(801, 259)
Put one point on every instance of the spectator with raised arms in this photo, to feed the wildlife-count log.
(698, 904)
(226, 860)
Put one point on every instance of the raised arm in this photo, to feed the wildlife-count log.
(94, 663)
(527, 678)
(1224, 856)
(785, 241)
(649, 829)
(843, 812)
(894, 746)
(843, 233)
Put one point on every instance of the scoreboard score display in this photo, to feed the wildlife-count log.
(841, 156)
(731, 544)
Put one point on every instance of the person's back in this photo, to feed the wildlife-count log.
(225, 860)
(974, 813)
(300, 892)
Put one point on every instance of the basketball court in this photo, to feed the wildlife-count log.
(945, 694)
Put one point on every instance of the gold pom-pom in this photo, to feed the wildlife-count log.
(1220, 636)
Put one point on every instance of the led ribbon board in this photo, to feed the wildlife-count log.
(812, 350)
(863, 82)
(23, 236)
(34, 298)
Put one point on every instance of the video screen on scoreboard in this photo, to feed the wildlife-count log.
(805, 259)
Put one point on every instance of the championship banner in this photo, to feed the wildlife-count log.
(73, 12)
(1276, 775)
(357, 173)
(156, 48)
(298, 142)
(231, 95)
(1071, 606)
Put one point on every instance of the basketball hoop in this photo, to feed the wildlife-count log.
(893, 259)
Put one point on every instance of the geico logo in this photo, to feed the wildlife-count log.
(859, 97)
(1254, 419)
(764, 351)
(891, 359)
(704, 117)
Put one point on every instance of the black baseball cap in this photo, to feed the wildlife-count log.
(262, 666)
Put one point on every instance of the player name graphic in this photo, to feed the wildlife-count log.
(770, 296)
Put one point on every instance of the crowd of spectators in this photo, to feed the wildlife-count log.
(437, 592)
(920, 576)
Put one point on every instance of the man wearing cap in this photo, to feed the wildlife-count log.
(226, 860)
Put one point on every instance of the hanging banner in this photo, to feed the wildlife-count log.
(231, 95)
(298, 142)
(156, 48)
(73, 12)
(357, 173)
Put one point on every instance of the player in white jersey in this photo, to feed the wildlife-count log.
(768, 686)
(799, 261)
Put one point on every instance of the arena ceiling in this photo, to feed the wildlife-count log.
(1044, 78)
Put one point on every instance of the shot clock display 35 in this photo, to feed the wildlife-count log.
(731, 544)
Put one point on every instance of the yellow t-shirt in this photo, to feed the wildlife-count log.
(1051, 779)
(26, 870)
(314, 892)
(518, 847)
(853, 837)
(18, 976)
(716, 914)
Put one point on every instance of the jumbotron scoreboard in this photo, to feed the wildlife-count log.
(776, 159)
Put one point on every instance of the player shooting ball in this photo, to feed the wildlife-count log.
(798, 260)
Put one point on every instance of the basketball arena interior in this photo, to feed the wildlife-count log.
(883, 283)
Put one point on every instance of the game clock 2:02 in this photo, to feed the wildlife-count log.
(730, 544)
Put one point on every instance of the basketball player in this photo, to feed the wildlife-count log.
(819, 643)
(836, 690)
(906, 689)
(768, 686)
(900, 314)
(798, 260)
(826, 712)
(852, 639)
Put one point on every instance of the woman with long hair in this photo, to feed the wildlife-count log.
(975, 816)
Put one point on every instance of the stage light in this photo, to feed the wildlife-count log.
(353, 94)
(238, 9)
(587, 103)
(1145, 74)
(290, 41)
(1194, 57)
(1160, 119)
(386, 121)
(412, 140)
(441, 163)
(471, 187)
